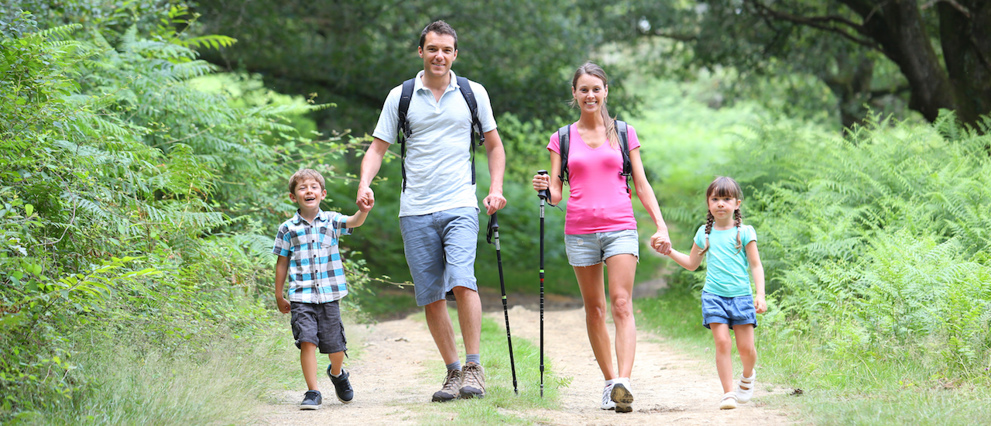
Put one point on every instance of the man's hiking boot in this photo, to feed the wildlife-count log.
(342, 386)
(311, 401)
(622, 396)
(451, 385)
(473, 385)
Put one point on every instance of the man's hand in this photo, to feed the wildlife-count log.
(494, 202)
(283, 304)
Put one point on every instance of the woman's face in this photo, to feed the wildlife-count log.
(590, 93)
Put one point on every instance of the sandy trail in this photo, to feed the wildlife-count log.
(391, 379)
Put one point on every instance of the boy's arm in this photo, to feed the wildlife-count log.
(281, 270)
(689, 261)
(358, 218)
(757, 270)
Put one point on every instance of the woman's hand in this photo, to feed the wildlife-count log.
(541, 182)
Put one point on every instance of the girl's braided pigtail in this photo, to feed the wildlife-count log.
(709, 220)
(738, 220)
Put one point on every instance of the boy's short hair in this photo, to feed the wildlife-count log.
(303, 174)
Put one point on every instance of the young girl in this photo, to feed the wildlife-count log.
(730, 247)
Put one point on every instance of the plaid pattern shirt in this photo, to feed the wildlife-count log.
(316, 271)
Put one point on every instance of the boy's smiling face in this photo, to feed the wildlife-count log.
(308, 195)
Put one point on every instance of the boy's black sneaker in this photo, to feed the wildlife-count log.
(342, 386)
(311, 401)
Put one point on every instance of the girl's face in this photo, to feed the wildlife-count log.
(722, 207)
(590, 93)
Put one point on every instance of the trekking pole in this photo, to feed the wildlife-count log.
(544, 195)
(494, 231)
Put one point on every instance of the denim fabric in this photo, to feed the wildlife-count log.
(592, 249)
(728, 310)
(440, 250)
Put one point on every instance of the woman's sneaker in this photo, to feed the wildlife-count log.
(622, 396)
(342, 385)
(745, 387)
(607, 402)
(311, 400)
(728, 402)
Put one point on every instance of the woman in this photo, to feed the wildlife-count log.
(600, 226)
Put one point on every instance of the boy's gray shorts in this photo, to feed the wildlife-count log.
(320, 324)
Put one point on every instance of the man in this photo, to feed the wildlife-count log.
(438, 210)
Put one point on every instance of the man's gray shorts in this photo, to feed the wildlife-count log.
(440, 250)
(320, 324)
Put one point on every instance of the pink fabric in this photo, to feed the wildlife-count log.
(597, 201)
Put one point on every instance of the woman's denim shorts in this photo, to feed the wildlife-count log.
(728, 310)
(593, 249)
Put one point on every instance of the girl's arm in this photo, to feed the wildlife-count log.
(660, 241)
(689, 261)
(757, 270)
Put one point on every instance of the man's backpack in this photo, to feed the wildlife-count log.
(564, 133)
(405, 131)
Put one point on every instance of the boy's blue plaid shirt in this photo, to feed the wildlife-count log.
(316, 271)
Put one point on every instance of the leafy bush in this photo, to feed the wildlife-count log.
(877, 243)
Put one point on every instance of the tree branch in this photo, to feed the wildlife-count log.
(831, 23)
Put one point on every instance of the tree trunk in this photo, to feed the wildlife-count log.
(965, 36)
(898, 27)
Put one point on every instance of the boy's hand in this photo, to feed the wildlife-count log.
(759, 304)
(365, 205)
(283, 304)
(365, 197)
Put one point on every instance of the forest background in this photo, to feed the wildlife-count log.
(145, 147)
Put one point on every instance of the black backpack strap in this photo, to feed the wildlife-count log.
(403, 124)
(624, 148)
(563, 136)
(476, 124)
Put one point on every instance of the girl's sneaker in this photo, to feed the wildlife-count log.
(745, 388)
(622, 396)
(728, 402)
(607, 402)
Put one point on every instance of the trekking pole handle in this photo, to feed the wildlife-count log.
(493, 227)
(544, 194)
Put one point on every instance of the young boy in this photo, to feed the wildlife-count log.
(309, 256)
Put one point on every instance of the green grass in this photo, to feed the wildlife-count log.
(128, 385)
(835, 389)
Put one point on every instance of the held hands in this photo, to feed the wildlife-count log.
(661, 242)
(365, 199)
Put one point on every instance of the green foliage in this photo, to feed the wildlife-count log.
(877, 242)
(136, 207)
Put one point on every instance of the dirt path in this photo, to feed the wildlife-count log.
(391, 378)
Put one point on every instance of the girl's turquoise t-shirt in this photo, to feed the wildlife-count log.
(727, 272)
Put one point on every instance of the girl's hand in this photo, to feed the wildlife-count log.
(660, 242)
(759, 304)
(541, 182)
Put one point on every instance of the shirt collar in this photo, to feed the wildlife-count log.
(298, 218)
(418, 82)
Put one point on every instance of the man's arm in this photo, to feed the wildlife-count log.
(497, 168)
(369, 168)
